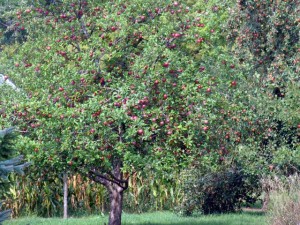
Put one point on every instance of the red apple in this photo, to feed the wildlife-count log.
(113, 28)
(140, 132)
(176, 35)
(166, 64)
(199, 40)
(63, 16)
(202, 68)
(205, 128)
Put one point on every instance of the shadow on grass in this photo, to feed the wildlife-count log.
(254, 213)
(185, 223)
(242, 218)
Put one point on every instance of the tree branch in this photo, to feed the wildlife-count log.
(103, 179)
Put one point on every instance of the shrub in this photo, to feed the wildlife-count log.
(284, 204)
(218, 192)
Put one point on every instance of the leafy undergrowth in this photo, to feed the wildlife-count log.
(157, 218)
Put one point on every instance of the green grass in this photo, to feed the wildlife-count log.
(156, 218)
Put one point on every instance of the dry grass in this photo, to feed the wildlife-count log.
(284, 208)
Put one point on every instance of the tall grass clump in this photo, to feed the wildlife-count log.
(284, 205)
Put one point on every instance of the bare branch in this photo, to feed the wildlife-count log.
(104, 179)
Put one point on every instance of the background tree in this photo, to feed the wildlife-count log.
(265, 39)
(9, 29)
(9, 165)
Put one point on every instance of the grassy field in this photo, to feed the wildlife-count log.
(157, 218)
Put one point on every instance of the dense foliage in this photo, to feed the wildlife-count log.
(109, 90)
(265, 39)
(9, 32)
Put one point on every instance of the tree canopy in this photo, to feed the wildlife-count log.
(110, 88)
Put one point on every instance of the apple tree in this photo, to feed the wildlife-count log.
(111, 88)
(265, 38)
(9, 32)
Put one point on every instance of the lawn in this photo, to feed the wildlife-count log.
(156, 218)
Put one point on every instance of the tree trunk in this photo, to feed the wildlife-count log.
(65, 190)
(115, 184)
(116, 199)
